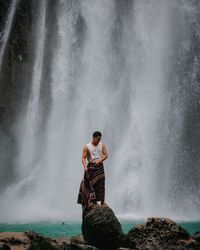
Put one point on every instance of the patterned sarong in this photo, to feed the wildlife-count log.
(92, 187)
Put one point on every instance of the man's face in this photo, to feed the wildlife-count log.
(96, 140)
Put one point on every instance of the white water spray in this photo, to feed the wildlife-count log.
(109, 71)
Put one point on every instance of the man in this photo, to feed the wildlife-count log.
(92, 187)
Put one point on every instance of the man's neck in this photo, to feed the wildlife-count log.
(93, 143)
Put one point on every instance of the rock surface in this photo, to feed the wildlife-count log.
(161, 234)
(31, 240)
(102, 229)
(196, 236)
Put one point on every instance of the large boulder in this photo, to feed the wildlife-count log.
(102, 229)
(161, 234)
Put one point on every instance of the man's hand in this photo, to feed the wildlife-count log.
(86, 168)
(105, 155)
(98, 162)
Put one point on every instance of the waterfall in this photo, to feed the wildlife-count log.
(7, 29)
(27, 140)
(26, 167)
(119, 67)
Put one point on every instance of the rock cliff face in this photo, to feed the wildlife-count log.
(102, 230)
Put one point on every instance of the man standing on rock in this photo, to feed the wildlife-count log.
(92, 187)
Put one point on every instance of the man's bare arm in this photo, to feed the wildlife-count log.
(84, 155)
(104, 152)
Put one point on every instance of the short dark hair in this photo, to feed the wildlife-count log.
(97, 133)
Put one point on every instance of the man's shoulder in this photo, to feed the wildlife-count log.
(86, 146)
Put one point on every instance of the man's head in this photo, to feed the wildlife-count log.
(96, 137)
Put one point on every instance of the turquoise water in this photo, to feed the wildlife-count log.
(59, 229)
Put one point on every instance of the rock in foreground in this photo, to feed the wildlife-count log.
(161, 234)
(102, 229)
(196, 236)
(31, 240)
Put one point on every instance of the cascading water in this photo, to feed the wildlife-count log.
(27, 143)
(114, 66)
(8, 25)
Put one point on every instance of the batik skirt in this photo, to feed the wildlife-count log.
(92, 186)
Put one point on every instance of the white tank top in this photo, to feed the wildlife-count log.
(95, 151)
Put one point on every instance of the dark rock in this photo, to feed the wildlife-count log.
(31, 240)
(74, 246)
(102, 229)
(14, 241)
(4, 247)
(125, 248)
(196, 236)
(77, 239)
(39, 242)
(161, 234)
